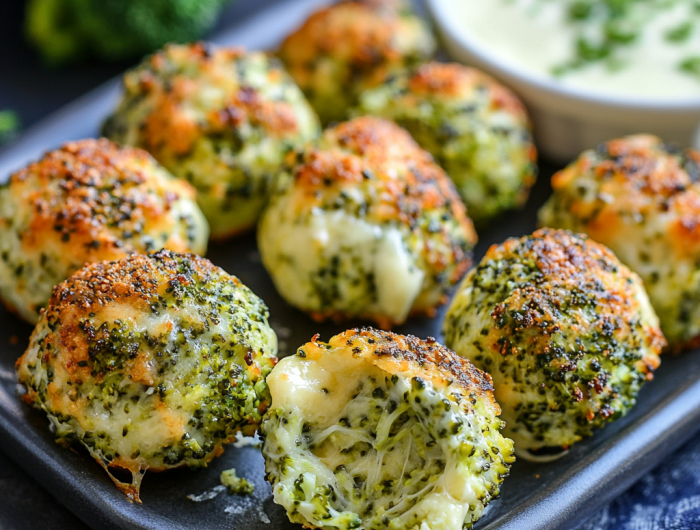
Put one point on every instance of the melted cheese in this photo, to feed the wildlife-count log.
(369, 257)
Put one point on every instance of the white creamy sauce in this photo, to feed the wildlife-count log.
(537, 35)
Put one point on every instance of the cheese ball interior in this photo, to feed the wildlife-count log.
(641, 198)
(365, 225)
(565, 330)
(88, 201)
(221, 118)
(377, 430)
(475, 128)
(353, 45)
(150, 362)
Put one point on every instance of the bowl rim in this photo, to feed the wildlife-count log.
(456, 33)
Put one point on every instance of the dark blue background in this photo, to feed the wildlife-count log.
(666, 499)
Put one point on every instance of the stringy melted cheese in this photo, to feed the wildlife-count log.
(348, 445)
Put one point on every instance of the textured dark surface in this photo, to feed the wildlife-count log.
(557, 495)
(667, 499)
(25, 505)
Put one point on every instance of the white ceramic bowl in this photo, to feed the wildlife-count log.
(567, 120)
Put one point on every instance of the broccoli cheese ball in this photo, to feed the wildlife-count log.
(365, 225)
(221, 118)
(375, 430)
(88, 201)
(476, 129)
(150, 362)
(566, 331)
(350, 46)
(641, 198)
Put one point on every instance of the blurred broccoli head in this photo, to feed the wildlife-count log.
(68, 30)
(9, 125)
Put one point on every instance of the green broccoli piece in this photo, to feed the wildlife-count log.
(69, 30)
(9, 125)
(236, 484)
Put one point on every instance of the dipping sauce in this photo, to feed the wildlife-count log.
(636, 48)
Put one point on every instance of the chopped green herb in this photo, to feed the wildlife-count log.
(589, 52)
(604, 28)
(691, 65)
(581, 10)
(680, 33)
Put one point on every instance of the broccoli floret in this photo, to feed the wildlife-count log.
(236, 484)
(69, 30)
(9, 125)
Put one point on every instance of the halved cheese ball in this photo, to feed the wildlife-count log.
(221, 118)
(90, 200)
(150, 362)
(565, 330)
(353, 45)
(364, 224)
(376, 430)
(476, 129)
(641, 198)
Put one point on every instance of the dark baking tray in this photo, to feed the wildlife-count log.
(558, 495)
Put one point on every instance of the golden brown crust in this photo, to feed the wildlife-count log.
(408, 180)
(574, 263)
(103, 188)
(358, 32)
(641, 197)
(136, 279)
(451, 80)
(171, 129)
(409, 355)
(370, 174)
(378, 140)
(111, 339)
(351, 46)
(634, 165)
(221, 118)
(685, 231)
(638, 177)
(559, 254)
(275, 117)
